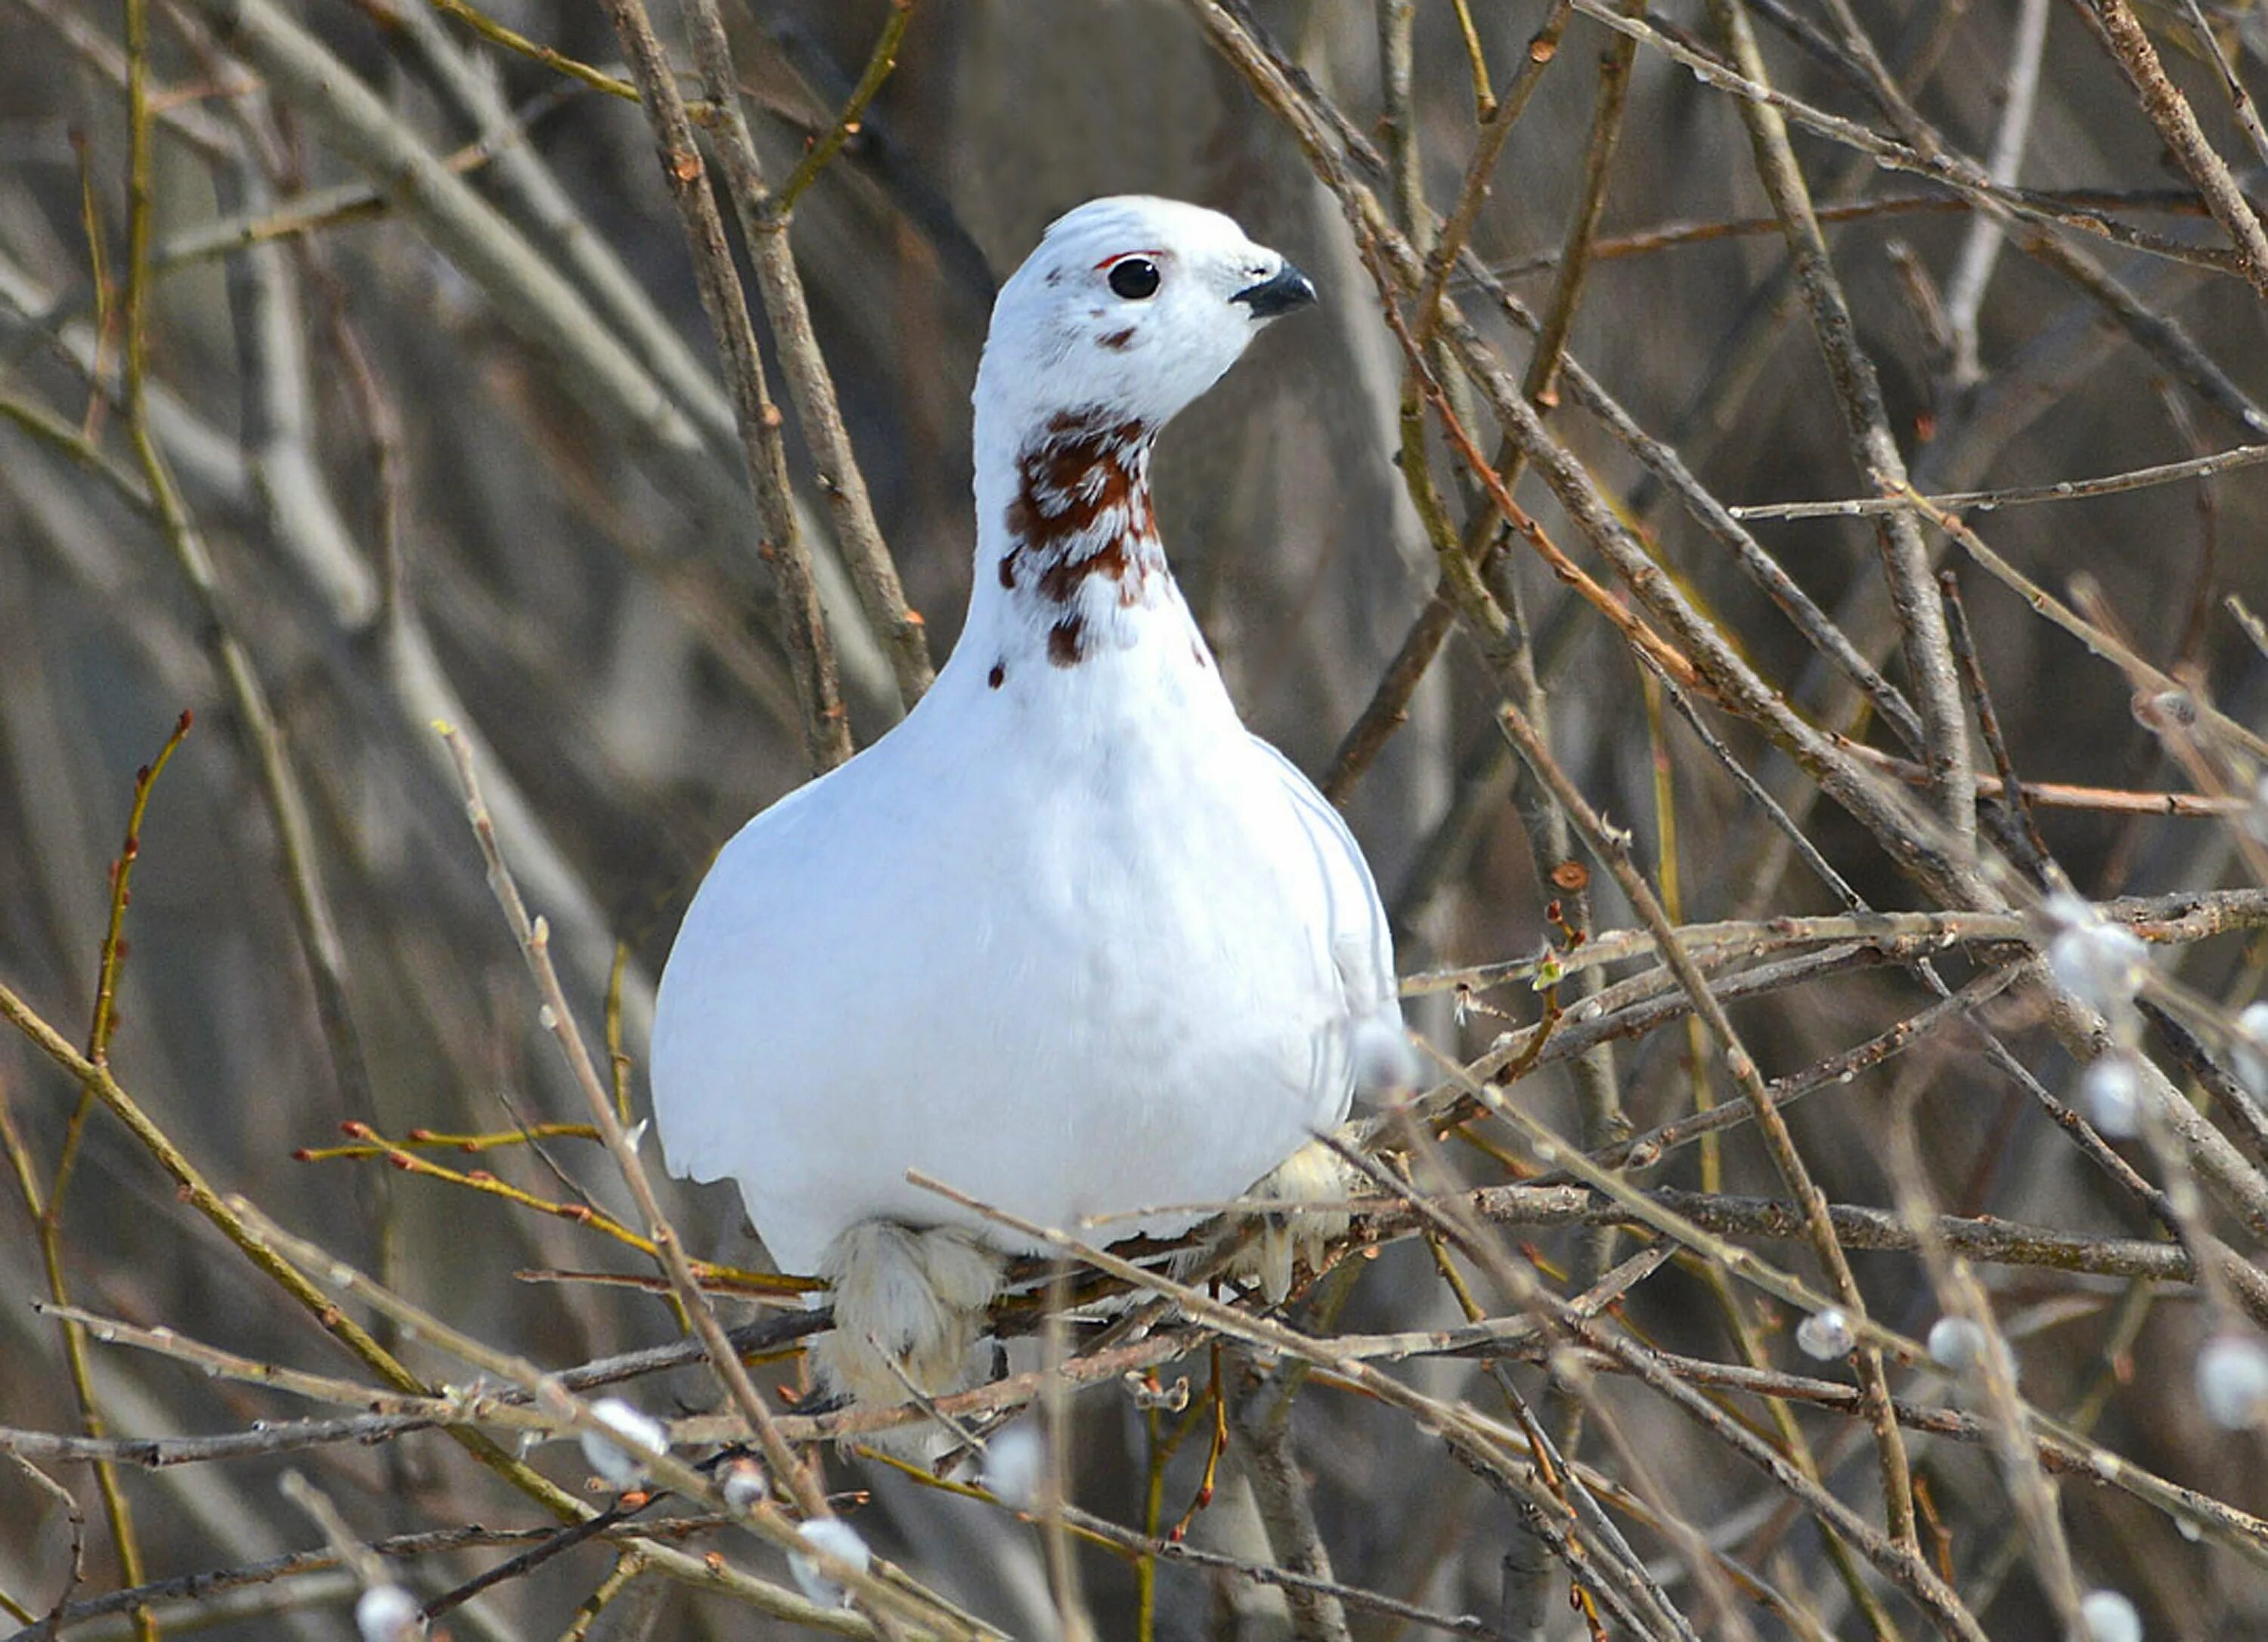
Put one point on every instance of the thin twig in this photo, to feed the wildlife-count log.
(1612, 849)
(1980, 250)
(669, 1252)
(498, 34)
(2128, 44)
(1873, 450)
(231, 1223)
(764, 220)
(880, 62)
(826, 725)
(2020, 495)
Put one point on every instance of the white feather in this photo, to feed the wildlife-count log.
(1068, 937)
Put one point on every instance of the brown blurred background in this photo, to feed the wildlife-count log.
(583, 600)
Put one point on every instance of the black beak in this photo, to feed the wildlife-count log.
(1281, 292)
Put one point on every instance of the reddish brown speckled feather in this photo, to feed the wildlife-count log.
(1083, 510)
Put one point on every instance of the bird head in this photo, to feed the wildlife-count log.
(1130, 305)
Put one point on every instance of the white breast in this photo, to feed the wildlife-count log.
(1073, 959)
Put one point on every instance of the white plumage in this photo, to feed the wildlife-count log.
(1068, 937)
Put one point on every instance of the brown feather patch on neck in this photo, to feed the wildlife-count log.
(1082, 511)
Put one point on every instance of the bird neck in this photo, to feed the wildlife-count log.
(1069, 566)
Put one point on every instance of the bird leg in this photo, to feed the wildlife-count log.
(1314, 1173)
(908, 1303)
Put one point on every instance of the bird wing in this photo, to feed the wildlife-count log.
(1361, 941)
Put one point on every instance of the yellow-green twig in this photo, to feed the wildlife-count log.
(558, 61)
(368, 1142)
(200, 1196)
(113, 947)
(880, 62)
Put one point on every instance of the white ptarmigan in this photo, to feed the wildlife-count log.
(1069, 939)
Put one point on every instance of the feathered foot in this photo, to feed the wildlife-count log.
(909, 1306)
(1314, 1173)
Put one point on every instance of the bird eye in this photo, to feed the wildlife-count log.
(1134, 278)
